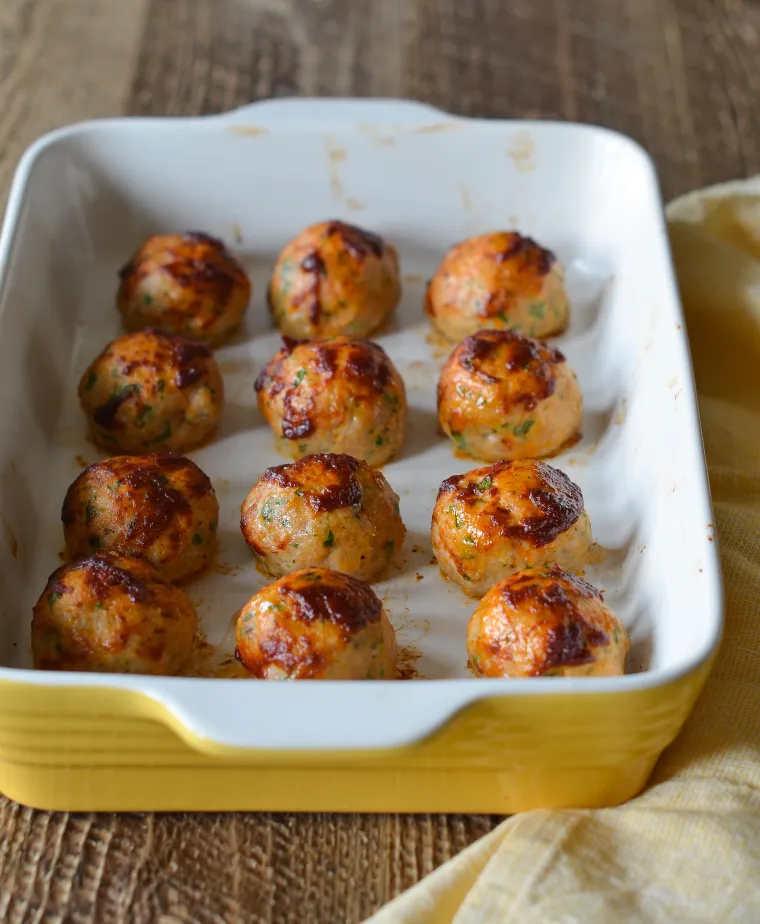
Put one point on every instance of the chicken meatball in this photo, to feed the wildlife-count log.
(115, 614)
(500, 280)
(545, 623)
(316, 624)
(505, 396)
(334, 395)
(187, 284)
(502, 518)
(334, 278)
(148, 391)
(160, 507)
(324, 511)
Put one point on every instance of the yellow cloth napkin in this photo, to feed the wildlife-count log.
(688, 848)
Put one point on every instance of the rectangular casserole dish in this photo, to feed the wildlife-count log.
(82, 200)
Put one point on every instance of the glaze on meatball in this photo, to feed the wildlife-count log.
(316, 624)
(160, 507)
(545, 623)
(187, 284)
(115, 614)
(332, 279)
(502, 518)
(500, 280)
(324, 511)
(336, 395)
(505, 396)
(148, 391)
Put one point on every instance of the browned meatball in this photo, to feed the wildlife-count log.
(148, 391)
(334, 395)
(328, 511)
(114, 614)
(502, 518)
(499, 280)
(334, 278)
(160, 507)
(545, 623)
(187, 284)
(316, 625)
(505, 396)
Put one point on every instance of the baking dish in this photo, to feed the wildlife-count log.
(84, 197)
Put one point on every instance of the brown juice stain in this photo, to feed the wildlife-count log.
(221, 567)
(81, 461)
(11, 540)
(237, 233)
(406, 663)
(440, 345)
(233, 367)
(354, 204)
(216, 661)
(335, 157)
(247, 131)
(521, 152)
(597, 554)
(438, 127)
(411, 278)
(419, 577)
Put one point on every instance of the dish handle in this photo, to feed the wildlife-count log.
(295, 112)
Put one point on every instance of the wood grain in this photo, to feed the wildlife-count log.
(681, 76)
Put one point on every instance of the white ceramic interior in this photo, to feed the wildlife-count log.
(85, 197)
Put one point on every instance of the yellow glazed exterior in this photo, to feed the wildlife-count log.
(84, 749)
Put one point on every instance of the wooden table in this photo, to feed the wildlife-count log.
(681, 76)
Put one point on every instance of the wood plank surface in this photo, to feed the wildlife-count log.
(681, 76)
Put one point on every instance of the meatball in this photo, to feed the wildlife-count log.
(160, 507)
(325, 511)
(545, 623)
(148, 391)
(334, 395)
(316, 624)
(187, 284)
(115, 614)
(331, 279)
(500, 280)
(505, 396)
(502, 518)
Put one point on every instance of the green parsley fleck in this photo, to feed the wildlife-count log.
(94, 542)
(453, 512)
(390, 547)
(330, 541)
(300, 376)
(484, 484)
(148, 298)
(468, 540)
(391, 399)
(90, 511)
(197, 539)
(52, 598)
(164, 436)
(266, 511)
(91, 380)
(522, 429)
(537, 310)
(145, 411)
(379, 441)
(160, 385)
(212, 526)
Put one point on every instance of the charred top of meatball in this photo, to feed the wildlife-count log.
(364, 364)
(198, 262)
(142, 483)
(558, 501)
(552, 601)
(522, 367)
(318, 595)
(329, 481)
